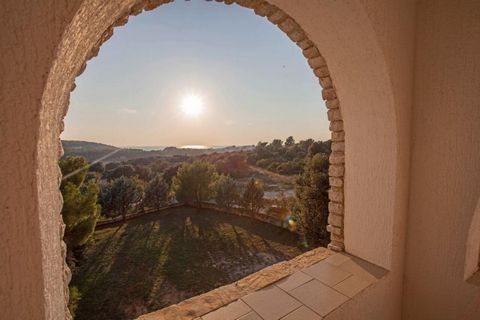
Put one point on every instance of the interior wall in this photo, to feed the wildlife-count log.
(445, 175)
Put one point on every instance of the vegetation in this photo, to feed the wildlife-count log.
(194, 182)
(156, 193)
(252, 199)
(161, 259)
(121, 195)
(153, 261)
(312, 194)
(226, 192)
(80, 210)
(284, 158)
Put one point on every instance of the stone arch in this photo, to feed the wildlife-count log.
(472, 255)
(361, 80)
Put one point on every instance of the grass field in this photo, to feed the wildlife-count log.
(161, 259)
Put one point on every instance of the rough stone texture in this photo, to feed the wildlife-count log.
(335, 207)
(337, 158)
(336, 126)
(336, 170)
(338, 136)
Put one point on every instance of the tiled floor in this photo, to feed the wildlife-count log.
(309, 294)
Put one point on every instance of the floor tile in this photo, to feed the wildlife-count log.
(293, 281)
(352, 286)
(363, 269)
(230, 312)
(337, 259)
(271, 303)
(319, 297)
(250, 316)
(302, 313)
(327, 273)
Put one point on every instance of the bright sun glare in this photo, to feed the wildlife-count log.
(192, 105)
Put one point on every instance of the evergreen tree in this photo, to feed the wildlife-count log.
(194, 182)
(312, 194)
(252, 199)
(80, 210)
(125, 192)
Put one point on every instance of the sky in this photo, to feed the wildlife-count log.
(196, 73)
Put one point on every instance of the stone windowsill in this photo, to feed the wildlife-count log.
(307, 287)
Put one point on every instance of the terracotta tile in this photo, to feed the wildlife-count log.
(293, 281)
(327, 273)
(319, 297)
(302, 313)
(352, 285)
(250, 316)
(230, 312)
(271, 303)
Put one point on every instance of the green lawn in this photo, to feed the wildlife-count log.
(161, 259)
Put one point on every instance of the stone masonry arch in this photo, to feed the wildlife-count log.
(93, 24)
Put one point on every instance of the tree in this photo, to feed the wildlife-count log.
(226, 192)
(252, 198)
(156, 192)
(312, 194)
(121, 171)
(290, 142)
(194, 182)
(80, 210)
(124, 193)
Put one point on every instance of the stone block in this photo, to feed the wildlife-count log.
(337, 158)
(317, 62)
(338, 146)
(336, 170)
(336, 126)
(322, 72)
(335, 195)
(334, 115)
(329, 94)
(335, 208)
(338, 136)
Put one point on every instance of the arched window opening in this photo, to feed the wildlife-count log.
(192, 106)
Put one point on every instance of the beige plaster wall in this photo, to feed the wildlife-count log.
(30, 261)
(375, 90)
(445, 176)
(368, 49)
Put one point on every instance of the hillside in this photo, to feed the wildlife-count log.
(93, 151)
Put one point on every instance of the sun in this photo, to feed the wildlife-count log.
(192, 105)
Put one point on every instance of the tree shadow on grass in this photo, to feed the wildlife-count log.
(157, 260)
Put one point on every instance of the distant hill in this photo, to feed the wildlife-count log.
(93, 151)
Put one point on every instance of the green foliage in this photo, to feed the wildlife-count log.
(194, 182)
(156, 192)
(226, 192)
(312, 194)
(285, 158)
(252, 198)
(74, 300)
(80, 210)
(124, 194)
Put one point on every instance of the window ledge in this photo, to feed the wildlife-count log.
(311, 286)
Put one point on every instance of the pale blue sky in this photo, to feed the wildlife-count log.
(254, 82)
